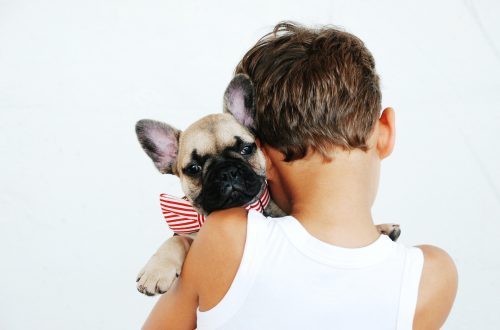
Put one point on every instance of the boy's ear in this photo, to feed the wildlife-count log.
(270, 168)
(239, 100)
(387, 133)
(160, 142)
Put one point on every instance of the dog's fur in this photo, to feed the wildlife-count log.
(219, 167)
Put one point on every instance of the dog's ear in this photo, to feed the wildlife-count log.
(239, 100)
(160, 141)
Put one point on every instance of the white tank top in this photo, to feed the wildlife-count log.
(288, 279)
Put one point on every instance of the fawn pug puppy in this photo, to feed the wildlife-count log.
(219, 166)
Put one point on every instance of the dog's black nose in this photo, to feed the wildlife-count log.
(231, 178)
(229, 173)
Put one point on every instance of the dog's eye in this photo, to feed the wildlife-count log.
(247, 150)
(193, 169)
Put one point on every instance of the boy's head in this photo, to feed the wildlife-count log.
(315, 89)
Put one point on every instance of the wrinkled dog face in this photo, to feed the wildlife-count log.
(219, 164)
(216, 157)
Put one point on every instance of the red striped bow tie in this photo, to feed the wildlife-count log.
(182, 218)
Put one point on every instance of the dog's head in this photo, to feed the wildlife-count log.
(216, 157)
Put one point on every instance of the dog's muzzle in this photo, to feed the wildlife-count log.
(229, 183)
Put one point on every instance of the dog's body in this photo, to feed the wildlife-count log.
(219, 166)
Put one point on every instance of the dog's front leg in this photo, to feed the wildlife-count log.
(164, 266)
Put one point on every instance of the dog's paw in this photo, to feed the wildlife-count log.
(395, 232)
(390, 229)
(156, 277)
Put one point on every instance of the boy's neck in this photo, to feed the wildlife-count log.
(333, 200)
(338, 220)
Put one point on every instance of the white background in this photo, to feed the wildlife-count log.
(79, 212)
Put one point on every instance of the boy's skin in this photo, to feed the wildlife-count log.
(332, 200)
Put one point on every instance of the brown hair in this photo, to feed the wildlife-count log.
(314, 88)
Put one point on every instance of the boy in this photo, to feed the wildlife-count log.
(319, 122)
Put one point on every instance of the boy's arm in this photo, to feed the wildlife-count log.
(437, 291)
(175, 309)
(208, 271)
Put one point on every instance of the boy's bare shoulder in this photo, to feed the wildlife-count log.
(227, 221)
(215, 255)
(221, 237)
(223, 229)
(438, 288)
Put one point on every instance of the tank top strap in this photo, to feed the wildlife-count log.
(409, 287)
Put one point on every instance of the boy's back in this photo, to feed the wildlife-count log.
(287, 279)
